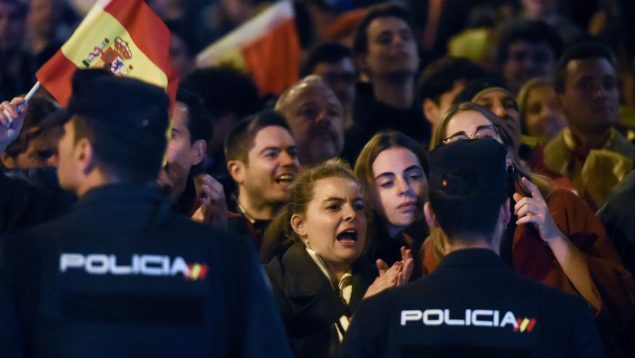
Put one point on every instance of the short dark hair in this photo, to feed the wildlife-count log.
(360, 39)
(129, 156)
(241, 139)
(199, 123)
(581, 51)
(468, 184)
(439, 76)
(224, 91)
(529, 31)
(327, 52)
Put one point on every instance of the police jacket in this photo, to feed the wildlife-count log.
(121, 275)
(472, 305)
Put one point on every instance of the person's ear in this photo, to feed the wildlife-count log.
(236, 170)
(199, 147)
(431, 217)
(84, 155)
(297, 224)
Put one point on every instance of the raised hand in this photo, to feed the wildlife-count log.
(534, 210)
(213, 209)
(11, 121)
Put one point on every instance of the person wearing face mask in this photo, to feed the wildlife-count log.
(394, 170)
(313, 252)
(554, 237)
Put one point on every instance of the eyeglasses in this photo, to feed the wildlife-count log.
(488, 131)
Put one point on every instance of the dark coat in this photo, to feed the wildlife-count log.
(25, 200)
(308, 303)
(428, 317)
(121, 275)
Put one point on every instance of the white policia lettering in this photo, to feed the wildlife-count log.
(477, 318)
(145, 265)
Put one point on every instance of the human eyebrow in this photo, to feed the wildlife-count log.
(271, 148)
(412, 168)
(387, 175)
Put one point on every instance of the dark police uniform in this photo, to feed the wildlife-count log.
(472, 306)
(123, 276)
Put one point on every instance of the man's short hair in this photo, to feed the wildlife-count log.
(360, 39)
(582, 51)
(199, 122)
(125, 120)
(440, 76)
(327, 52)
(533, 32)
(225, 91)
(468, 184)
(241, 139)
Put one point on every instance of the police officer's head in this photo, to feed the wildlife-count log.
(468, 192)
(114, 131)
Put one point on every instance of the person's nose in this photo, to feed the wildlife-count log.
(349, 212)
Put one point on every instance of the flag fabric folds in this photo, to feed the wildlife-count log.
(267, 47)
(124, 36)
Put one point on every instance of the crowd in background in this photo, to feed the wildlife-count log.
(381, 84)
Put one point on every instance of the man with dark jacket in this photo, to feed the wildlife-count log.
(121, 274)
(472, 305)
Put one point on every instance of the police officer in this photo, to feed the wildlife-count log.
(121, 275)
(472, 305)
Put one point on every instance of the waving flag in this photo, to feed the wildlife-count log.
(267, 47)
(124, 36)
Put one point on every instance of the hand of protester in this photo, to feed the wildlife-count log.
(213, 209)
(396, 275)
(11, 121)
(534, 210)
(173, 177)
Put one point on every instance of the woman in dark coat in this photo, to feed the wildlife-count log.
(393, 169)
(314, 257)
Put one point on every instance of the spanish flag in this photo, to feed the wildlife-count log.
(267, 47)
(124, 36)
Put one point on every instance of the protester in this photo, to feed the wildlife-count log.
(441, 81)
(540, 111)
(559, 242)
(34, 147)
(387, 55)
(394, 171)
(318, 273)
(18, 64)
(335, 64)
(526, 50)
(589, 151)
(262, 159)
(108, 277)
(316, 118)
(472, 305)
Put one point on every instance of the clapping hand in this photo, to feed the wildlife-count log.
(396, 275)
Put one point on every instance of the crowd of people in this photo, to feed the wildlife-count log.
(447, 178)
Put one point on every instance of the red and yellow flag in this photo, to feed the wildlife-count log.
(124, 36)
(267, 47)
